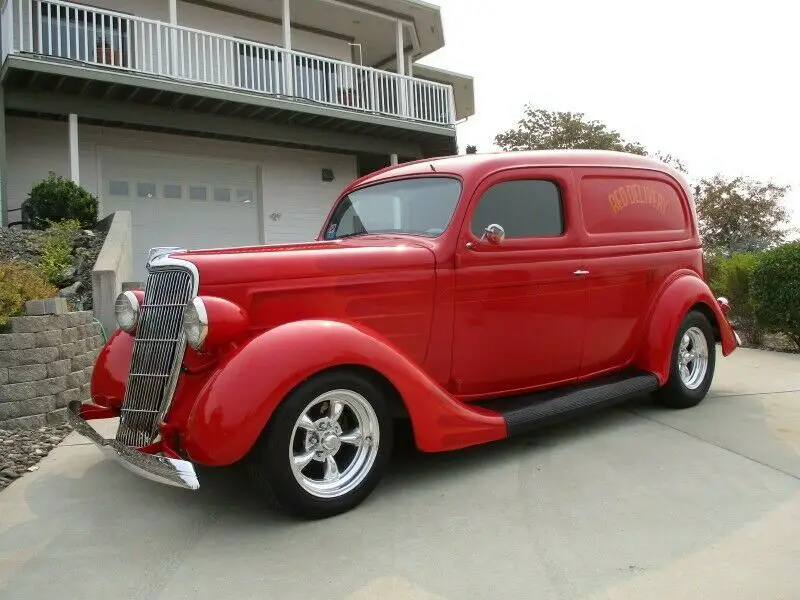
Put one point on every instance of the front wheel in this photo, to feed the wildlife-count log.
(326, 447)
(692, 365)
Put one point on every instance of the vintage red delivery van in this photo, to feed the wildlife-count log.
(477, 297)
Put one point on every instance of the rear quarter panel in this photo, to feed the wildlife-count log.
(638, 230)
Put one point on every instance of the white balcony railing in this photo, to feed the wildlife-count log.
(74, 32)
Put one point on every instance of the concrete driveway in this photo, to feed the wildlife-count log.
(635, 503)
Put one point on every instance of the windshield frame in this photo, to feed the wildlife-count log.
(345, 198)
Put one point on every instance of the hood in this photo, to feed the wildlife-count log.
(312, 259)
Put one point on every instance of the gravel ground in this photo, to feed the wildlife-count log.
(22, 449)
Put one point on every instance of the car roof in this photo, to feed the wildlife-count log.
(470, 164)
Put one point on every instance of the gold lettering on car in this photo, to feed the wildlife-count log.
(633, 194)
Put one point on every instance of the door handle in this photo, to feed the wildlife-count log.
(580, 273)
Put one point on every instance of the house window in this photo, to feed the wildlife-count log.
(523, 208)
(83, 34)
(119, 188)
(173, 191)
(222, 194)
(245, 196)
(146, 190)
(198, 193)
(262, 69)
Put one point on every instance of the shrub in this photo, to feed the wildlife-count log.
(732, 277)
(57, 251)
(775, 290)
(18, 284)
(710, 267)
(59, 199)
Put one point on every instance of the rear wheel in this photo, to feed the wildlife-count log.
(326, 447)
(692, 365)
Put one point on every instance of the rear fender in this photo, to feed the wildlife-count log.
(678, 296)
(238, 400)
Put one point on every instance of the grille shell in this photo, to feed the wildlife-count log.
(158, 349)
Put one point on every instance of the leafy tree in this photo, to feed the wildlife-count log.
(672, 161)
(472, 149)
(741, 214)
(540, 129)
(775, 289)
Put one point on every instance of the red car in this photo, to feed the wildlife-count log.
(477, 297)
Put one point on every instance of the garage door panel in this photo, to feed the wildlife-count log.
(178, 201)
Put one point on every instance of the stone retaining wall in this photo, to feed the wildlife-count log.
(45, 363)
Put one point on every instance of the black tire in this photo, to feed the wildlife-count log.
(675, 393)
(268, 462)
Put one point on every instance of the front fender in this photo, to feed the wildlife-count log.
(675, 300)
(110, 370)
(237, 401)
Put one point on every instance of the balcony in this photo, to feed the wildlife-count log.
(83, 36)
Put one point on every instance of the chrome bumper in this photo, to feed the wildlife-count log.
(161, 469)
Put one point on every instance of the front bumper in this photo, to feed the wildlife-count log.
(161, 469)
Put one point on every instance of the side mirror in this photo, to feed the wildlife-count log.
(494, 234)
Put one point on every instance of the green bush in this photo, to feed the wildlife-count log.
(732, 277)
(710, 267)
(57, 251)
(58, 199)
(775, 290)
(18, 284)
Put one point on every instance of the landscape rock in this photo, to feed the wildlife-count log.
(22, 449)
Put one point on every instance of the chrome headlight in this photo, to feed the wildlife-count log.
(195, 323)
(126, 310)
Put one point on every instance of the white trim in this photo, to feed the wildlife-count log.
(74, 150)
(261, 191)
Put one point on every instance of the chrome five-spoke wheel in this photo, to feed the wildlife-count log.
(326, 445)
(693, 358)
(334, 443)
(692, 365)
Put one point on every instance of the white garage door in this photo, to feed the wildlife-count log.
(181, 201)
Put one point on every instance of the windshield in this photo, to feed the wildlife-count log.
(421, 206)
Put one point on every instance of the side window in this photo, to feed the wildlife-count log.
(524, 208)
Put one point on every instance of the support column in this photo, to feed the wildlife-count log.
(400, 60)
(3, 163)
(173, 36)
(288, 59)
(74, 157)
(393, 159)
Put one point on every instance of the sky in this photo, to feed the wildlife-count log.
(715, 85)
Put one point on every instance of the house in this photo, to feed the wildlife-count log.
(220, 122)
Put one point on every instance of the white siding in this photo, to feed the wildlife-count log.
(292, 179)
(208, 19)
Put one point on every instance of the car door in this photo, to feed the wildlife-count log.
(520, 303)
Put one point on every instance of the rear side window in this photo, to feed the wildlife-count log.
(524, 208)
(631, 205)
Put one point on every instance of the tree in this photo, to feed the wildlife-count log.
(672, 161)
(741, 214)
(541, 129)
(472, 149)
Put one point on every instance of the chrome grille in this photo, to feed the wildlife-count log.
(157, 354)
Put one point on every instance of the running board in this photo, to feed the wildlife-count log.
(524, 414)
